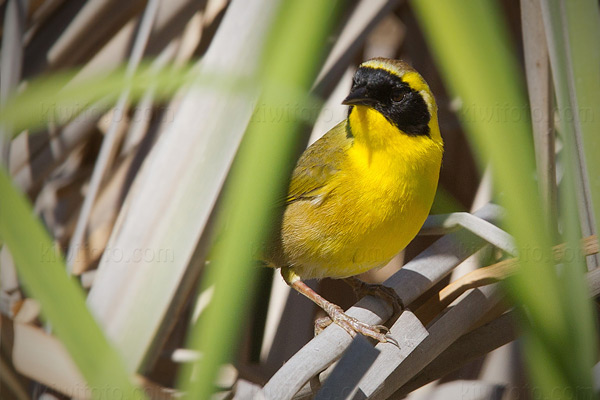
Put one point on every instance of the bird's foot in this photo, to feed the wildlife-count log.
(336, 314)
(362, 289)
(352, 325)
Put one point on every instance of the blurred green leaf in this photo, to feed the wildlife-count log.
(292, 56)
(472, 47)
(569, 27)
(60, 97)
(580, 29)
(42, 271)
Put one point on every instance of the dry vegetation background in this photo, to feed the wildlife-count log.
(83, 172)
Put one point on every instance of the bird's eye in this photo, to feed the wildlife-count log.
(398, 95)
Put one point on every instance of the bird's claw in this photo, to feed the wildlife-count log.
(362, 289)
(353, 325)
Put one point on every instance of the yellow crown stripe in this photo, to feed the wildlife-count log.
(414, 80)
(376, 64)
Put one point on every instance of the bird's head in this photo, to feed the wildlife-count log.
(397, 91)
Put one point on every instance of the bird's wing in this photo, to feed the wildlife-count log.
(318, 164)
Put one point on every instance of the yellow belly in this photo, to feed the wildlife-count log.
(375, 205)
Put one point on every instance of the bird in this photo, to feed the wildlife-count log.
(360, 194)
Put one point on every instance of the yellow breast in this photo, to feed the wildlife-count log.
(375, 204)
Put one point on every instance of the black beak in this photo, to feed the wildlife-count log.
(359, 97)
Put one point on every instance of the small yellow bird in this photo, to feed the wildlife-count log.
(361, 193)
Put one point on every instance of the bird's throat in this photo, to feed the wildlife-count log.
(381, 147)
(371, 129)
